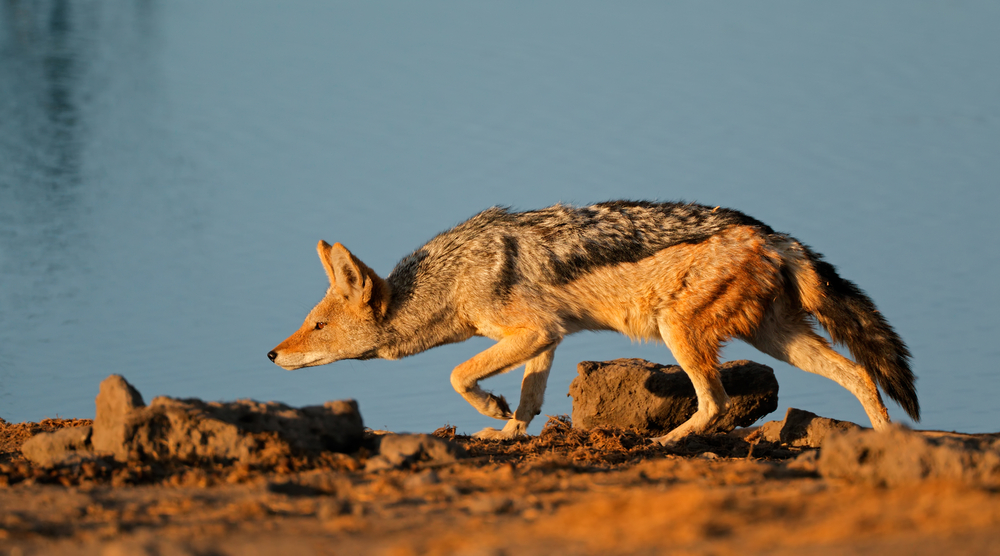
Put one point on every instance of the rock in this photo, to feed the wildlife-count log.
(64, 446)
(654, 399)
(116, 400)
(899, 456)
(802, 428)
(404, 450)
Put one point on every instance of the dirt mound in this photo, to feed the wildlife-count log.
(559, 446)
(900, 456)
(562, 444)
(568, 490)
(185, 429)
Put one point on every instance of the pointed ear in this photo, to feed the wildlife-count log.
(349, 276)
(342, 269)
(324, 248)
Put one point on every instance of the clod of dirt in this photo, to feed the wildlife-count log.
(244, 430)
(899, 456)
(14, 435)
(405, 450)
(654, 399)
(51, 448)
(803, 428)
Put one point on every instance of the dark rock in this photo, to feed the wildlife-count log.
(654, 399)
(405, 450)
(899, 456)
(803, 428)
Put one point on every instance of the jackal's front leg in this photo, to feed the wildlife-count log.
(700, 362)
(505, 355)
(536, 374)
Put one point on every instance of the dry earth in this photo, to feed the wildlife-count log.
(563, 492)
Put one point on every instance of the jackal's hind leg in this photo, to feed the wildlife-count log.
(789, 337)
(507, 354)
(536, 374)
(699, 359)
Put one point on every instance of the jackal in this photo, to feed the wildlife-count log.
(689, 275)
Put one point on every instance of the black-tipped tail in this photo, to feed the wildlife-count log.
(852, 319)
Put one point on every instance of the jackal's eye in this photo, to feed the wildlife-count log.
(320, 325)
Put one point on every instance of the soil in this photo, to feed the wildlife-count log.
(565, 491)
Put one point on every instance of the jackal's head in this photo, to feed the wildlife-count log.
(346, 323)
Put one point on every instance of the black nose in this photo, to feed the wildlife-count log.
(272, 355)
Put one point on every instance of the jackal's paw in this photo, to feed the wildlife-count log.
(496, 407)
(513, 429)
(490, 433)
(665, 441)
(671, 439)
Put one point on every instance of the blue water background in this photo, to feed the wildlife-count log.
(166, 169)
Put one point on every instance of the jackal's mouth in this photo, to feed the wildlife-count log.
(283, 364)
(297, 361)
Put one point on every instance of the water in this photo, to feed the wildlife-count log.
(166, 169)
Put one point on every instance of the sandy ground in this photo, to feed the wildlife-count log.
(564, 492)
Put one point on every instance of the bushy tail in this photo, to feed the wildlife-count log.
(851, 318)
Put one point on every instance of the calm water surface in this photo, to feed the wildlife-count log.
(166, 169)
